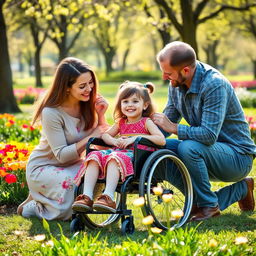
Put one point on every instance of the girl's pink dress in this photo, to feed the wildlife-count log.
(122, 156)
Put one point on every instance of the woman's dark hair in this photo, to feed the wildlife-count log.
(128, 89)
(66, 75)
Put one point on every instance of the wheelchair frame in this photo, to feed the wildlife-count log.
(146, 164)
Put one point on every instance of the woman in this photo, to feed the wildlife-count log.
(70, 113)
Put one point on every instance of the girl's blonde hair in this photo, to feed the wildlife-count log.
(128, 89)
(66, 75)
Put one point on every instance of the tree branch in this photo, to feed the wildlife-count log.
(199, 9)
(170, 14)
(225, 7)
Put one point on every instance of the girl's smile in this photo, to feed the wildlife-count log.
(133, 107)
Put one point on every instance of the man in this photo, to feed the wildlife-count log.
(216, 145)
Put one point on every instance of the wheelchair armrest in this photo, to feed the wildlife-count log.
(96, 141)
(146, 142)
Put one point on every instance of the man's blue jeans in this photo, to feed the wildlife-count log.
(217, 162)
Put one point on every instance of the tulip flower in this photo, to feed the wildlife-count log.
(213, 243)
(139, 202)
(158, 191)
(148, 220)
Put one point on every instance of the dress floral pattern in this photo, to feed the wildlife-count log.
(122, 156)
(53, 165)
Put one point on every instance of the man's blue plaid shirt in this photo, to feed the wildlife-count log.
(212, 109)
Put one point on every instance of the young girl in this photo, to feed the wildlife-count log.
(131, 116)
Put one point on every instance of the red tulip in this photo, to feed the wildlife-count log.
(10, 178)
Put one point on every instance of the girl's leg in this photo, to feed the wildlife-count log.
(84, 203)
(112, 178)
(90, 178)
(105, 202)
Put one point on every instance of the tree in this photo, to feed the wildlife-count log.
(211, 35)
(248, 28)
(63, 20)
(186, 15)
(26, 17)
(8, 103)
(105, 27)
(161, 23)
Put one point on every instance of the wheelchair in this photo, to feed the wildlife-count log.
(155, 166)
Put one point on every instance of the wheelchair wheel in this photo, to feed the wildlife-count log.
(127, 226)
(164, 169)
(101, 220)
(76, 225)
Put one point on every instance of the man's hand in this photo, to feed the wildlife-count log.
(164, 123)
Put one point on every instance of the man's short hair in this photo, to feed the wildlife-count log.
(178, 53)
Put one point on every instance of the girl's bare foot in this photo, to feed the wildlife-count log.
(20, 207)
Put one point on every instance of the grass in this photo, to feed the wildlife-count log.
(17, 234)
(24, 82)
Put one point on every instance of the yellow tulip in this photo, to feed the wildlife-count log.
(139, 202)
(148, 220)
(158, 191)
(213, 243)
(167, 198)
(156, 230)
(177, 214)
(241, 240)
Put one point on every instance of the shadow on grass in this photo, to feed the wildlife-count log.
(112, 233)
(243, 222)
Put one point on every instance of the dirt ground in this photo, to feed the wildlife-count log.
(8, 209)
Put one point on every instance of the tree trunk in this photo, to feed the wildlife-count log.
(8, 103)
(126, 53)
(38, 46)
(210, 51)
(108, 60)
(189, 25)
(38, 68)
(62, 50)
(254, 69)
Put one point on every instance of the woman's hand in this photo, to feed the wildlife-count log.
(101, 105)
(99, 130)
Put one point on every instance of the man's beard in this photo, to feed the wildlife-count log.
(179, 82)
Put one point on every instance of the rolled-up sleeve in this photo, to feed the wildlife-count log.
(171, 112)
(213, 115)
(53, 128)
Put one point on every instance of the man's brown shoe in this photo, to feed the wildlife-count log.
(104, 203)
(83, 203)
(248, 203)
(194, 210)
(205, 213)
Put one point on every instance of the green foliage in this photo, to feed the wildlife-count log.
(247, 98)
(179, 242)
(27, 99)
(121, 76)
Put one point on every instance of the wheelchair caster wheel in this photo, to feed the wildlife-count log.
(76, 225)
(127, 226)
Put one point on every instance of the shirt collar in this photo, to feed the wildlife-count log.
(196, 81)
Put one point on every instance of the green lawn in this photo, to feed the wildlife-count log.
(17, 233)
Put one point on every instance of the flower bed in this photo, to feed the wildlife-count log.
(28, 95)
(17, 130)
(252, 123)
(244, 84)
(17, 138)
(13, 159)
